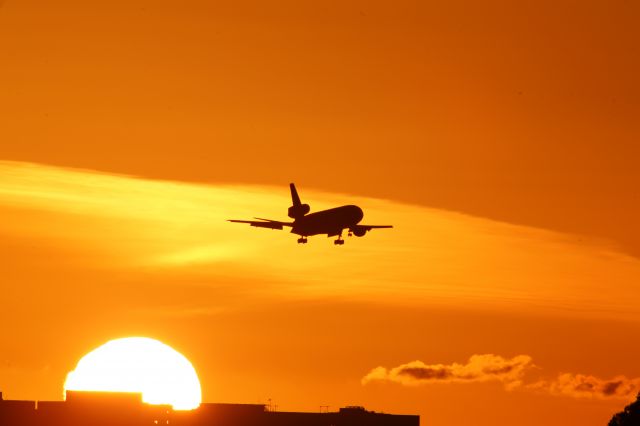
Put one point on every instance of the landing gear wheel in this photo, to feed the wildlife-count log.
(302, 240)
(338, 242)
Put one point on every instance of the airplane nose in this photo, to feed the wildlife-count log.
(358, 213)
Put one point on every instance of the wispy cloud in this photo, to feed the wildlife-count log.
(132, 226)
(479, 368)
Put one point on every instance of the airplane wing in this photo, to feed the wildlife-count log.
(370, 227)
(263, 223)
(360, 230)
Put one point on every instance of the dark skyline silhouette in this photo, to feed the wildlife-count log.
(127, 409)
(630, 416)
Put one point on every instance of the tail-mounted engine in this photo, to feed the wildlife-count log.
(299, 210)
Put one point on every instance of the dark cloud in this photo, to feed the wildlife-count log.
(479, 368)
(587, 386)
(510, 371)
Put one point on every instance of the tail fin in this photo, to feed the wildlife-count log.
(297, 210)
(294, 195)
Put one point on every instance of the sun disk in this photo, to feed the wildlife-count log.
(139, 364)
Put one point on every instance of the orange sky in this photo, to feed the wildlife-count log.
(499, 139)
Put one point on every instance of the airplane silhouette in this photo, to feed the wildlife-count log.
(331, 222)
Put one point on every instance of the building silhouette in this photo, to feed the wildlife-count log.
(127, 409)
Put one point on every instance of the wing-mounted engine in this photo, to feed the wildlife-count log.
(359, 231)
(297, 209)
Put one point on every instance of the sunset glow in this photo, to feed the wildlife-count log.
(138, 364)
(498, 138)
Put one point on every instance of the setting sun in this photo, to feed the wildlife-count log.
(139, 364)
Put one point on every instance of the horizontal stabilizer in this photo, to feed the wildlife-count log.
(266, 220)
(263, 223)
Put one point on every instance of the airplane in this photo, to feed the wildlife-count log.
(331, 222)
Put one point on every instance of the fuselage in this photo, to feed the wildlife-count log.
(330, 222)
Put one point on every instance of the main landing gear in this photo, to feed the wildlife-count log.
(339, 241)
(302, 240)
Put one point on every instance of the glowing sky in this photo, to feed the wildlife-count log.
(128, 255)
(498, 137)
